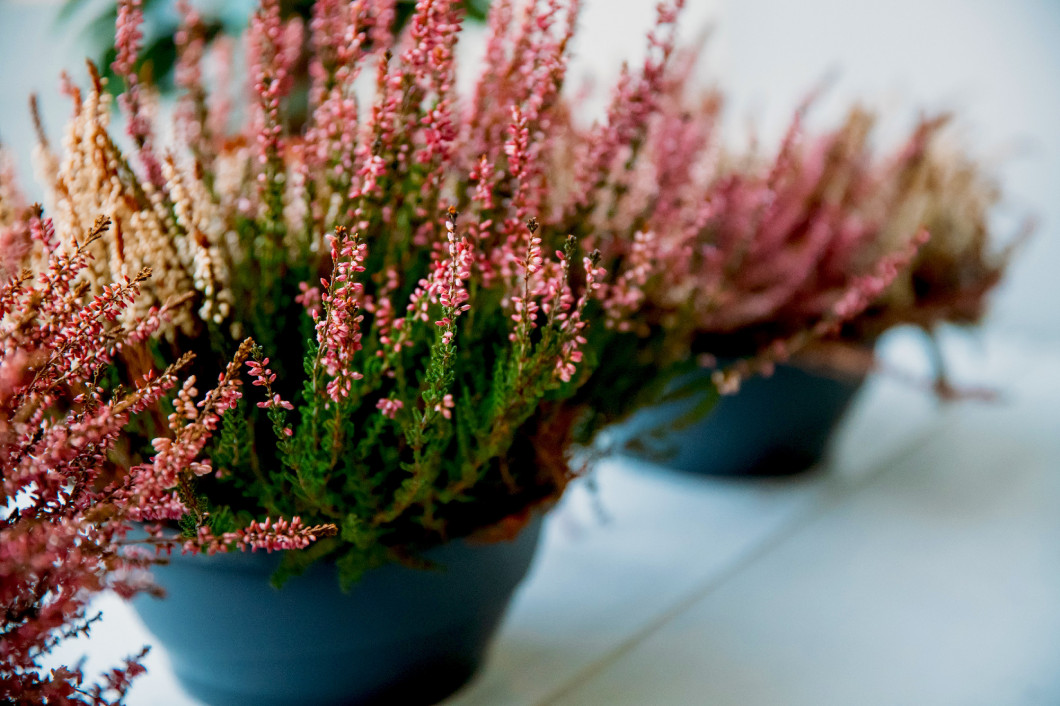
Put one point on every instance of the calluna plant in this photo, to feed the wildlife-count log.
(66, 506)
(418, 322)
(824, 242)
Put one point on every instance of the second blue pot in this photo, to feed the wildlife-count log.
(777, 425)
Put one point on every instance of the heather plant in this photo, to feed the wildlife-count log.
(420, 313)
(69, 501)
(825, 242)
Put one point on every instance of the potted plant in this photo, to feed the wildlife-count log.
(793, 266)
(423, 327)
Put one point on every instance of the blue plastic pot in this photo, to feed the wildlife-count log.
(400, 636)
(774, 426)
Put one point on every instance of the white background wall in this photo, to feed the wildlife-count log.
(996, 64)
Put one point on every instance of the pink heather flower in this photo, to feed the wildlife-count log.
(453, 295)
(445, 407)
(633, 102)
(276, 535)
(274, 48)
(64, 543)
(67, 539)
(310, 299)
(428, 54)
(446, 285)
(626, 295)
(339, 330)
(153, 499)
(148, 326)
(192, 109)
(264, 377)
(382, 308)
(276, 401)
(389, 407)
(339, 33)
(128, 43)
(866, 289)
(573, 324)
(525, 306)
(128, 37)
(184, 405)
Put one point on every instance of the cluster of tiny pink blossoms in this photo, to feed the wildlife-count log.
(67, 509)
(389, 407)
(276, 535)
(457, 270)
(162, 489)
(128, 42)
(266, 535)
(574, 323)
(775, 247)
(128, 37)
(339, 331)
(264, 377)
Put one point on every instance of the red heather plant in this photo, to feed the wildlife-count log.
(418, 323)
(766, 258)
(825, 242)
(66, 506)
